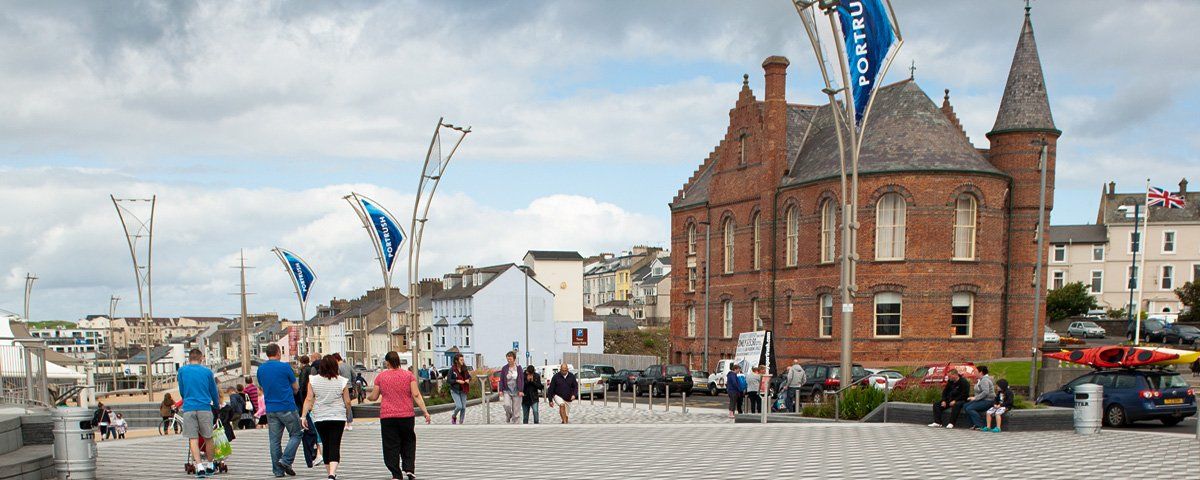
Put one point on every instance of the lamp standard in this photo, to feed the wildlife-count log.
(707, 250)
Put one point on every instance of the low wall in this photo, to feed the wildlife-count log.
(371, 410)
(1029, 420)
(619, 362)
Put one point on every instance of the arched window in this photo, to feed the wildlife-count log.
(691, 239)
(889, 227)
(828, 231)
(728, 245)
(887, 314)
(964, 228)
(727, 328)
(755, 263)
(793, 235)
(962, 309)
(691, 320)
(826, 315)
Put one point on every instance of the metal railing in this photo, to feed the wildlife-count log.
(23, 379)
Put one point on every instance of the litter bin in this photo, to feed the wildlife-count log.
(1089, 408)
(74, 443)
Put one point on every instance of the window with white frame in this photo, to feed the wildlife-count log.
(887, 314)
(962, 306)
(1131, 280)
(691, 239)
(727, 327)
(1135, 242)
(1166, 277)
(1168, 245)
(1058, 278)
(1060, 254)
(691, 320)
(826, 323)
(755, 262)
(729, 231)
(793, 236)
(828, 231)
(1097, 284)
(1097, 253)
(964, 227)
(691, 285)
(442, 336)
(889, 227)
(466, 336)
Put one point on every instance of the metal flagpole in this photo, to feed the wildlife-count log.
(29, 279)
(1132, 284)
(301, 293)
(707, 252)
(1037, 279)
(112, 312)
(142, 273)
(1141, 268)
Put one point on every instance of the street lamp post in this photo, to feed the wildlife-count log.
(136, 227)
(112, 312)
(707, 250)
(29, 279)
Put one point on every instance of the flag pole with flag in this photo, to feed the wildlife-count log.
(387, 237)
(303, 279)
(1155, 197)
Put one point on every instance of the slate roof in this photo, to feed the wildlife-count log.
(614, 303)
(1110, 212)
(906, 133)
(1025, 105)
(654, 279)
(613, 323)
(460, 291)
(554, 255)
(158, 353)
(1078, 234)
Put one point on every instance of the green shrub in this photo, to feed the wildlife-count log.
(917, 395)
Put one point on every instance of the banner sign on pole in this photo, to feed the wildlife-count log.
(301, 273)
(387, 232)
(868, 35)
(754, 349)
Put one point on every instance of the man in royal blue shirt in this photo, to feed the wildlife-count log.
(200, 397)
(279, 385)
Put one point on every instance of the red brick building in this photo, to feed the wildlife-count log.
(947, 242)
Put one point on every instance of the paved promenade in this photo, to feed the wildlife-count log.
(623, 445)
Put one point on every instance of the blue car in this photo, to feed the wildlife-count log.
(1132, 395)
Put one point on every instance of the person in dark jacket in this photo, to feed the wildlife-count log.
(563, 390)
(533, 391)
(1004, 403)
(460, 388)
(733, 386)
(954, 396)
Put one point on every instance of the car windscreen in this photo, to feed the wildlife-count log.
(588, 374)
(1088, 324)
(676, 370)
(810, 371)
(920, 372)
(1164, 381)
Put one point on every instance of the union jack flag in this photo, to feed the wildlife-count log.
(1160, 197)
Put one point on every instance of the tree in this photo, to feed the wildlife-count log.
(1070, 300)
(1189, 295)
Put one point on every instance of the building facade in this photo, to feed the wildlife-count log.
(946, 238)
(562, 273)
(481, 314)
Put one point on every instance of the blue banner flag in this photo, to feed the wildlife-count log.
(301, 273)
(868, 35)
(387, 232)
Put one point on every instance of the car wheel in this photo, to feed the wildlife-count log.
(712, 390)
(1114, 416)
(1171, 421)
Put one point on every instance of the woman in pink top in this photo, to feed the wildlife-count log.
(398, 388)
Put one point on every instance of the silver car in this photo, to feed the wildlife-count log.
(1086, 329)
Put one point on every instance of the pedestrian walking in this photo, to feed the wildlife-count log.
(564, 389)
(733, 386)
(122, 426)
(198, 388)
(533, 392)
(255, 397)
(100, 419)
(512, 388)
(229, 414)
(794, 381)
(753, 384)
(460, 387)
(347, 372)
(246, 420)
(954, 396)
(279, 385)
(981, 401)
(398, 390)
(106, 424)
(310, 441)
(326, 403)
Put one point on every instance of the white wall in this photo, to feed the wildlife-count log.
(562, 340)
(565, 279)
(499, 318)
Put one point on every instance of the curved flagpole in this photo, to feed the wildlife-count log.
(302, 297)
(356, 202)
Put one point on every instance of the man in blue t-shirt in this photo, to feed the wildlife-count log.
(279, 385)
(200, 397)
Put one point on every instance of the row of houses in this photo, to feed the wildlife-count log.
(635, 284)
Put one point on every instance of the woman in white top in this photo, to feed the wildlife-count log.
(328, 400)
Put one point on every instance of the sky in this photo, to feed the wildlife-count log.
(251, 120)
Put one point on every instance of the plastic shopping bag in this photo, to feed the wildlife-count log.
(221, 446)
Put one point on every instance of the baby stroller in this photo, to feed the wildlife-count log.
(221, 450)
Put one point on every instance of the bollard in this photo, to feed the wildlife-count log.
(767, 405)
(837, 408)
(795, 396)
(619, 389)
(650, 398)
(606, 395)
(684, 401)
(668, 399)
(635, 395)
(592, 395)
(887, 393)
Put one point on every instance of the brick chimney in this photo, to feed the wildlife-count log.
(1183, 186)
(775, 115)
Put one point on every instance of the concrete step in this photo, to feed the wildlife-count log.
(33, 462)
(10, 434)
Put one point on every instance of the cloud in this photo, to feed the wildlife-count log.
(70, 237)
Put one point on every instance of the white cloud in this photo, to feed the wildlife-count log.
(66, 231)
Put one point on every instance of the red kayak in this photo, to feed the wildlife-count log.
(1113, 356)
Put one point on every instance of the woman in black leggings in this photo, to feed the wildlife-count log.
(328, 399)
(398, 387)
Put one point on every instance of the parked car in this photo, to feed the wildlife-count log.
(494, 381)
(623, 379)
(700, 383)
(1086, 329)
(1153, 330)
(884, 379)
(1181, 334)
(1096, 314)
(821, 378)
(716, 380)
(589, 383)
(1132, 395)
(1050, 336)
(605, 371)
(547, 372)
(655, 379)
(934, 375)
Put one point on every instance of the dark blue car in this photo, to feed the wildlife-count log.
(1131, 395)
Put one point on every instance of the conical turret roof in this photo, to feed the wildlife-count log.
(1025, 106)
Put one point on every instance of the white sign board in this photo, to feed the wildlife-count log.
(749, 349)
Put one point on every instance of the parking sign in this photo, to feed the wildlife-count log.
(579, 337)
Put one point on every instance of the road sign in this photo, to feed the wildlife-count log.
(516, 346)
(579, 337)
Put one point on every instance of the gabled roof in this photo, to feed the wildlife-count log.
(554, 255)
(460, 291)
(1025, 105)
(441, 322)
(1078, 234)
(158, 353)
(466, 321)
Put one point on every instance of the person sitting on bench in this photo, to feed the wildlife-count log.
(954, 396)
